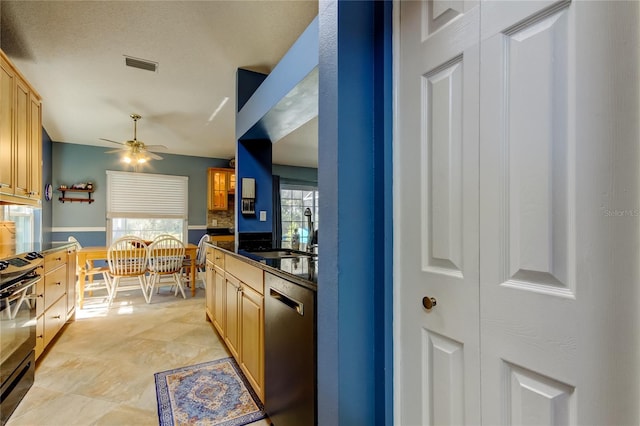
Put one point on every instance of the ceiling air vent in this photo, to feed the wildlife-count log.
(142, 64)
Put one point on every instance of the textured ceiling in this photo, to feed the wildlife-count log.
(73, 53)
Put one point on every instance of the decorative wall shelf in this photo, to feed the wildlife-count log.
(77, 199)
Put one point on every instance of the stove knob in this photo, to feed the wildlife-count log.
(3, 265)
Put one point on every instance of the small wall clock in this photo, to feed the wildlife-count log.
(48, 192)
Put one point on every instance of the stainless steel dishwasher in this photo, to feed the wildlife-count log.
(290, 353)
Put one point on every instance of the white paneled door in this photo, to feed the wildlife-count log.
(509, 306)
(438, 363)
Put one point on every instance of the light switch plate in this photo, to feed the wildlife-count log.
(263, 216)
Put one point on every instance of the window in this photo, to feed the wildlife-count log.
(294, 199)
(146, 205)
(19, 229)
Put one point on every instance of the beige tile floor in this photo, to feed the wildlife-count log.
(100, 371)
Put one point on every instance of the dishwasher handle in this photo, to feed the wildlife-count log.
(293, 304)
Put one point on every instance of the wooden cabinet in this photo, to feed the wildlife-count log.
(215, 284)
(20, 138)
(252, 335)
(222, 182)
(219, 299)
(71, 282)
(231, 328)
(237, 311)
(55, 301)
(209, 285)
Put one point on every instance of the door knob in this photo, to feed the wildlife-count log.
(429, 302)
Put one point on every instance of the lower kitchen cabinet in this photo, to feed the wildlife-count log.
(209, 284)
(71, 282)
(232, 315)
(235, 306)
(214, 287)
(218, 302)
(55, 296)
(252, 343)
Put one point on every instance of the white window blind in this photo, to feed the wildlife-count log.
(146, 195)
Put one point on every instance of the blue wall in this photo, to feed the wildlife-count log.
(253, 159)
(355, 379)
(296, 175)
(73, 163)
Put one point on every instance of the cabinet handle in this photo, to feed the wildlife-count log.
(41, 336)
(59, 283)
(57, 317)
(41, 295)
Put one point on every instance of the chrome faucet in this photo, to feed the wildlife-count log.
(307, 213)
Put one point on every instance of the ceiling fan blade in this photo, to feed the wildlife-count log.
(154, 156)
(116, 150)
(109, 140)
(155, 147)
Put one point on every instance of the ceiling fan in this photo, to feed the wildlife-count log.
(135, 151)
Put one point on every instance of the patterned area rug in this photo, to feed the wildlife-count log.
(211, 393)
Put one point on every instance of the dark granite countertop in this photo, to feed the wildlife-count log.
(295, 270)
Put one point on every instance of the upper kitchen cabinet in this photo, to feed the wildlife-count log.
(20, 137)
(222, 182)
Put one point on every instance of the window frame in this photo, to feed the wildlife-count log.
(173, 196)
(315, 208)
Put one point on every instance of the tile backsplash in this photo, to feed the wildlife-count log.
(224, 218)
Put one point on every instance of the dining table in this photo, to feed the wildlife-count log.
(92, 254)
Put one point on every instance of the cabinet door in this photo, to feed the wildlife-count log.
(221, 183)
(39, 336)
(209, 289)
(219, 300)
(231, 314)
(71, 280)
(22, 130)
(34, 164)
(252, 338)
(219, 190)
(7, 97)
(232, 182)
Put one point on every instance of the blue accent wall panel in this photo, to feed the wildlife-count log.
(85, 238)
(253, 160)
(195, 235)
(354, 178)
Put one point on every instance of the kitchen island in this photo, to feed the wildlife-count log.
(262, 303)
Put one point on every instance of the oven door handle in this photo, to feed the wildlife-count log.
(23, 285)
(19, 294)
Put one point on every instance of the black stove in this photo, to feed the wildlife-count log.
(19, 275)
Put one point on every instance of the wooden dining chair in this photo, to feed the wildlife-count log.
(200, 261)
(128, 257)
(90, 270)
(165, 259)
